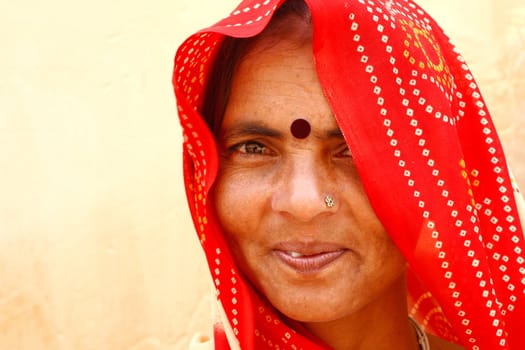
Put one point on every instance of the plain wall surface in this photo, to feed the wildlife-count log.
(97, 249)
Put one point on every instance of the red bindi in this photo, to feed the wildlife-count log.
(300, 128)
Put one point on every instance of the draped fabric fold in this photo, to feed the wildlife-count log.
(427, 153)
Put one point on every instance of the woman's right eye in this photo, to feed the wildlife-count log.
(251, 147)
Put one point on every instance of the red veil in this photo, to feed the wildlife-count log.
(428, 155)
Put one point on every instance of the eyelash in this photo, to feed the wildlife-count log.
(346, 150)
(251, 148)
(245, 147)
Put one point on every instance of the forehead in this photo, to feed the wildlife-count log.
(286, 60)
(276, 81)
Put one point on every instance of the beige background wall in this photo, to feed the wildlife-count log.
(96, 246)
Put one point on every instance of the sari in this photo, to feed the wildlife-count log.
(408, 106)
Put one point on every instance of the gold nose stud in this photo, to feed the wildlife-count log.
(330, 203)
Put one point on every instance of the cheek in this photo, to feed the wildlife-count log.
(237, 204)
(388, 257)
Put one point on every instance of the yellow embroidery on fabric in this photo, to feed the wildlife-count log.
(201, 72)
(416, 37)
(416, 306)
(473, 174)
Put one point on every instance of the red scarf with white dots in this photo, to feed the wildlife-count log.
(428, 155)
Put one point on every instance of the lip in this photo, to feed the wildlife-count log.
(309, 258)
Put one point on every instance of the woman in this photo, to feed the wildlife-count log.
(346, 182)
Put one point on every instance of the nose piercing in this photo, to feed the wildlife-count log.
(330, 202)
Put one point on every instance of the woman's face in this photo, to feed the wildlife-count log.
(312, 262)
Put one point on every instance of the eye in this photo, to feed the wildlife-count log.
(344, 152)
(251, 147)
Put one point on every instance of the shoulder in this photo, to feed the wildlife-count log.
(201, 341)
(437, 343)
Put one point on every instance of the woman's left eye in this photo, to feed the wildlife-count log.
(345, 152)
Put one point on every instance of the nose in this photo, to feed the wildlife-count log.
(302, 189)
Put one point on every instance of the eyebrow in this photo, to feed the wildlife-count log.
(244, 129)
(334, 133)
(248, 128)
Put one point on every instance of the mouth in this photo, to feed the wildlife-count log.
(309, 263)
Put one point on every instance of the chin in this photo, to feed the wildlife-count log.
(315, 316)
(321, 317)
(310, 309)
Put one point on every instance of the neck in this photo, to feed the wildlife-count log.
(383, 324)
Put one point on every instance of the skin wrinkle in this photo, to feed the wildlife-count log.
(246, 129)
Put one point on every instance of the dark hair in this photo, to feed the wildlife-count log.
(230, 54)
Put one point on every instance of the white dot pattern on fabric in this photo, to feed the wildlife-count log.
(417, 30)
(194, 55)
(235, 21)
